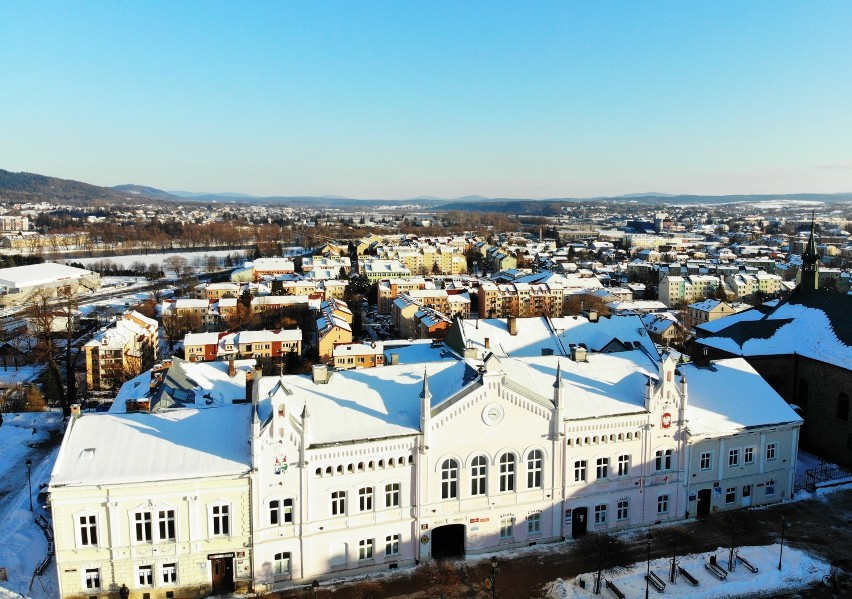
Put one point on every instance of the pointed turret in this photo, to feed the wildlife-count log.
(810, 262)
(306, 422)
(558, 402)
(425, 411)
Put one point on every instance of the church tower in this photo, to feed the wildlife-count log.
(810, 263)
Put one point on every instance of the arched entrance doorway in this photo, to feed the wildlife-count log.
(448, 541)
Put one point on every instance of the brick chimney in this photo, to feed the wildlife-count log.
(232, 369)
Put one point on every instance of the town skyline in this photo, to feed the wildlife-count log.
(578, 100)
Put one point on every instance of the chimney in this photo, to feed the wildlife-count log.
(593, 315)
(249, 384)
(578, 353)
(512, 324)
(320, 374)
(394, 359)
(75, 410)
(487, 343)
(232, 369)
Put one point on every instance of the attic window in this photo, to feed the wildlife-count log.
(88, 453)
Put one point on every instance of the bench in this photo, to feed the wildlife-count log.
(716, 571)
(616, 591)
(692, 580)
(656, 581)
(747, 564)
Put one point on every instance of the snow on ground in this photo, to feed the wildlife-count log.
(10, 375)
(798, 570)
(24, 545)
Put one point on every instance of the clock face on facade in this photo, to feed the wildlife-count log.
(492, 414)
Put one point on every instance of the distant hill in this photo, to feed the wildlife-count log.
(147, 192)
(30, 187)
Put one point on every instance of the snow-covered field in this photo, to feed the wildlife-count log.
(798, 570)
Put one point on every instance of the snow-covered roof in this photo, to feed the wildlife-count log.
(362, 404)
(141, 447)
(788, 328)
(747, 400)
(39, 274)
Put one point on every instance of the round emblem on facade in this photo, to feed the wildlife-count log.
(492, 414)
(666, 420)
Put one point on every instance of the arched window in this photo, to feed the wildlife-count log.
(843, 407)
(449, 479)
(534, 465)
(507, 472)
(479, 475)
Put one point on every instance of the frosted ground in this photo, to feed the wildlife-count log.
(23, 547)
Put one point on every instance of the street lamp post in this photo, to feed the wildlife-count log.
(648, 562)
(494, 572)
(315, 587)
(30, 481)
(783, 528)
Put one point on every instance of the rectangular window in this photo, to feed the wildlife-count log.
(748, 455)
(534, 524)
(623, 465)
(142, 526)
(623, 510)
(365, 499)
(663, 460)
(221, 520)
(281, 563)
(92, 577)
(274, 512)
(507, 527)
(600, 514)
(365, 549)
(166, 525)
(534, 464)
(734, 457)
(338, 503)
(168, 572)
(771, 451)
(392, 545)
(477, 475)
(88, 530)
(145, 576)
(507, 473)
(663, 504)
(580, 471)
(602, 469)
(770, 487)
(392, 495)
(706, 462)
(730, 495)
(287, 511)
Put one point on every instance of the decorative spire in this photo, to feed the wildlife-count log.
(425, 394)
(810, 260)
(557, 384)
(305, 413)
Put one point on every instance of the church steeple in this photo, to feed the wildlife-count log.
(810, 262)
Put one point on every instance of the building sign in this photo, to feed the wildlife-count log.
(220, 555)
(281, 464)
(666, 420)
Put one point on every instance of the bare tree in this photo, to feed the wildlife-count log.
(675, 538)
(53, 325)
(734, 522)
(177, 264)
(367, 589)
(604, 553)
(442, 577)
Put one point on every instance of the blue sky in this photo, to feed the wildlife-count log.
(401, 99)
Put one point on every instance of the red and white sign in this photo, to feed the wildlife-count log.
(666, 420)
